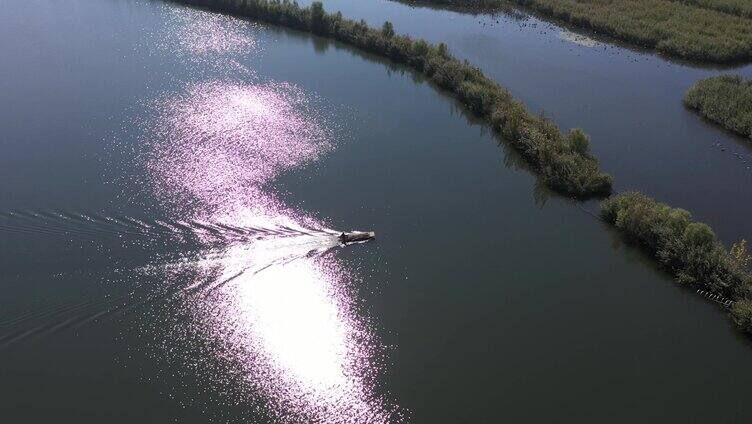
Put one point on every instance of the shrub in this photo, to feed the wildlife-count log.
(578, 141)
(741, 312)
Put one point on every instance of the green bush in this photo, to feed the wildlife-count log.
(564, 164)
(578, 141)
(706, 30)
(726, 100)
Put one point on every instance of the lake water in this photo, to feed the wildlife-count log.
(174, 181)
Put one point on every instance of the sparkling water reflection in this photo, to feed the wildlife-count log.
(280, 308)
(207, 40)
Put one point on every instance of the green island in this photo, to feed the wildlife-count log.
(726, 100)
(688, 249)
(718, 31)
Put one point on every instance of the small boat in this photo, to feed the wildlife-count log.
(356, 237)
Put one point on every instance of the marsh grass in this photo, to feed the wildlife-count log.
(726, 100)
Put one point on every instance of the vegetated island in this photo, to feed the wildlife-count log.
(563, 161)
(689, 249)
(718, 31)
(726, 100)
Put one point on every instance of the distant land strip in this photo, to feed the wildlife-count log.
(715, 31)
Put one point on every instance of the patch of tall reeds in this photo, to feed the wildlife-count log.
(726, 100)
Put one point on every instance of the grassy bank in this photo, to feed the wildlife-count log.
(702, 30)
(726, 100)
(562, 160)
(688, 249)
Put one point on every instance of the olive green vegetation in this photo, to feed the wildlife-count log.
(563, 161)
(732, 7)
(688, 249)
(726, 99)
(717, 31)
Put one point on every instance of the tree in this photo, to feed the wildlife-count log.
(317, 17)
(741, 312)
(387, 30)
(739, 256)
(698, 234)
(579, 142)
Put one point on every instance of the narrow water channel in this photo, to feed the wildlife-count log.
(173, 185)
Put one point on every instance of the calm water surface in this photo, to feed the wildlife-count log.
(173, 183)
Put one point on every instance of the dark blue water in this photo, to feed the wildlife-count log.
(483, 298)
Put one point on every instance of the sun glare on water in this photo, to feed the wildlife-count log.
(280, 308)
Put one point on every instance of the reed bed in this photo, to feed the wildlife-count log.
(726, 100)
